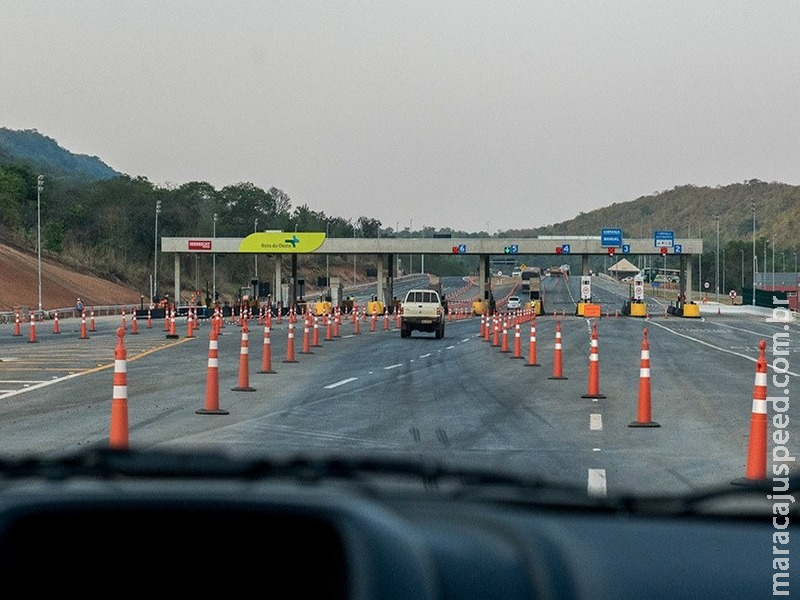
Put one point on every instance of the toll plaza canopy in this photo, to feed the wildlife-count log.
(311, 242)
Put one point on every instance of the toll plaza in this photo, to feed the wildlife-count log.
(384, 250)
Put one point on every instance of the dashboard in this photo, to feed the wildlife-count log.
(334, 537)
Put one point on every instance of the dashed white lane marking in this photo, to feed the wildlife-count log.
(596, 422)
(393, 366)
(596, 485)
(36, 386)
(426, 355)
(338, 383)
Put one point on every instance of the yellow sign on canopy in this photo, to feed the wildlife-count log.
(282, 241)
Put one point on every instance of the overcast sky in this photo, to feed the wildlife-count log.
(475, 115)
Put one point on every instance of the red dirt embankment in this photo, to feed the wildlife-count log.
(61, 287)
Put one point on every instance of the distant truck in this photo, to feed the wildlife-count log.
(422, 310)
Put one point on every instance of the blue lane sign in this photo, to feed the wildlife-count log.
(677, 248)
(565, 249)
(664, 239)
(626, 248)
(611, 237)
(462, 248)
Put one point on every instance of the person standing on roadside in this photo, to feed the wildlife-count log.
(79, 307)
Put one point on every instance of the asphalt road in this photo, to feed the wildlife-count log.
(459, 400)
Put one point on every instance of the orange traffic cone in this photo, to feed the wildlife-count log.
(55, 323)
(134, 323)
(244, 366)
(532, 345)
(17, 332)
(83, 335)
(172, 335)
(91, 320)
(504, 345)
(558, 371)
(756, 469)
(149, 319)
(32, 333)
(643, 417)
(594, 368)
(315, 333)
(290, 345)
(212, 378)
(266, 350)
(517, 343)
(306, 341)
(118, 438)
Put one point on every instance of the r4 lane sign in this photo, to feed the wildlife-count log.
(664, 239)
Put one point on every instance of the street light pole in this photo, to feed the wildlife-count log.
(155, 255)
(327, 259)
(354, 259)
(742, 251)
(39, 188)
(774, 236)
(716, 277)
(753, 206)
(214, 264)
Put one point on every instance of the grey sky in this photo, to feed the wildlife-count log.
(475, 115)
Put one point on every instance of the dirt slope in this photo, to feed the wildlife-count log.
(19, 284)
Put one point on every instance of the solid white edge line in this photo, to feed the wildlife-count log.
(688, 337)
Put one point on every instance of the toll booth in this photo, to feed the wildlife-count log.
(336, 291)
(637, 306)
(585, 308)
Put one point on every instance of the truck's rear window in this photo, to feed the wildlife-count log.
(421, 296)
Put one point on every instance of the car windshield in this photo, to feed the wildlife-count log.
(222, 230)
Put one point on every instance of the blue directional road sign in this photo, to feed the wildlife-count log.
(664, 239)
(611, 237)
(677, 248)
(626, 248)
(565, 249)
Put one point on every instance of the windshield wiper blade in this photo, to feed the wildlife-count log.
(108, 463)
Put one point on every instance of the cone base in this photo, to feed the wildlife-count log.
(243, 389)
(533, 365)
(306, 352)
(644, 424)
(270, 371)
(592, 396)
(560, 377)
(172, 337)
(290, 361)
(750, 482)
(211, 411)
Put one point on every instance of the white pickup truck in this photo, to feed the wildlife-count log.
(422, 310)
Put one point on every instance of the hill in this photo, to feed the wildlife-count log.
(46, 156)
(689, 211)
(61, 287)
